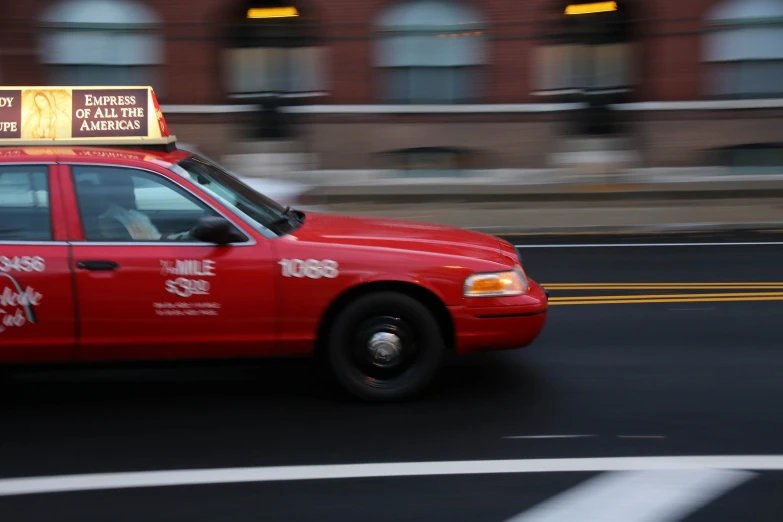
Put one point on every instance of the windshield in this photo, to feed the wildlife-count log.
(254, 208)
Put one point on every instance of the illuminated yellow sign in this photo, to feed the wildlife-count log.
(78, 115)
(597, 7)
(272, 12)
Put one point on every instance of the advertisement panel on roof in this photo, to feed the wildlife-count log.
(81, 114)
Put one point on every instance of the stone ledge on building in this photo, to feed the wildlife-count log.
(498, 178)
(538, 185)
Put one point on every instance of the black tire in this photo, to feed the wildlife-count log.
(418, 338)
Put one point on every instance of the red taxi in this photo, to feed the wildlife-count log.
(114, 245)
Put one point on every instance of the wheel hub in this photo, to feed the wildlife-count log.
(385, 349)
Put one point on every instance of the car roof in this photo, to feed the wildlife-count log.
(40, 153)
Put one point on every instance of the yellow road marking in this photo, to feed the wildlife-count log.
(644, 294)
(689, 300)
(663, 296)
(663, 286)
(652, 288)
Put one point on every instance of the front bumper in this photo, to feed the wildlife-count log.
(507, 325)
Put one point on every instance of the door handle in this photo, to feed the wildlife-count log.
(97, 265)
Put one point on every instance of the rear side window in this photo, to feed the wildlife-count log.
(24, 203)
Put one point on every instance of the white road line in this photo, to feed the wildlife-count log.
(637, 496)
(626, 245)
(548, 436)
(141, 479)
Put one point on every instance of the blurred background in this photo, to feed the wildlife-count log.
(342, 94)
(505, 116)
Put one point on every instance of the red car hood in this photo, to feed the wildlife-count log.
(404, 235)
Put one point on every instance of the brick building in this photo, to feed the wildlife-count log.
(431, 86)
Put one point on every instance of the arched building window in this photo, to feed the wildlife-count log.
(430, 51)
(102, 42)
(274, 50)
(744, 49)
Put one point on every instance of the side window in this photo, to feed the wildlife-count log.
(150, 198)
(24, 203)
(125, 204)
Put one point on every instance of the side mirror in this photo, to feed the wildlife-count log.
(218, 230)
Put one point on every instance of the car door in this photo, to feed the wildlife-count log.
(37, 322)
(142, 296)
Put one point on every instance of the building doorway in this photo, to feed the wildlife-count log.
(275, 58)
(586, 55)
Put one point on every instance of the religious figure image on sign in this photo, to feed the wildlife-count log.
(46, 114)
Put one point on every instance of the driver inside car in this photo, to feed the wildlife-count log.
(120, 211)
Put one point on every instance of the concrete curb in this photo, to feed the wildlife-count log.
(630, 229)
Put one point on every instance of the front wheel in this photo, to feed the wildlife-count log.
(385, 347)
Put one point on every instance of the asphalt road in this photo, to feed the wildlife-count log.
(619, 372)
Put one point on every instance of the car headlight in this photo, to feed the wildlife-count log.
(496, 284)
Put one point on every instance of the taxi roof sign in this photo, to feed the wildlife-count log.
(98, 116)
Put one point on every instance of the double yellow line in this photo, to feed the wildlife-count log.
(740, 292)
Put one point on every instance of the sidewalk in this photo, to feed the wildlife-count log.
(550, 200)
(555, 201)
(582, 217)
(482, 190)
